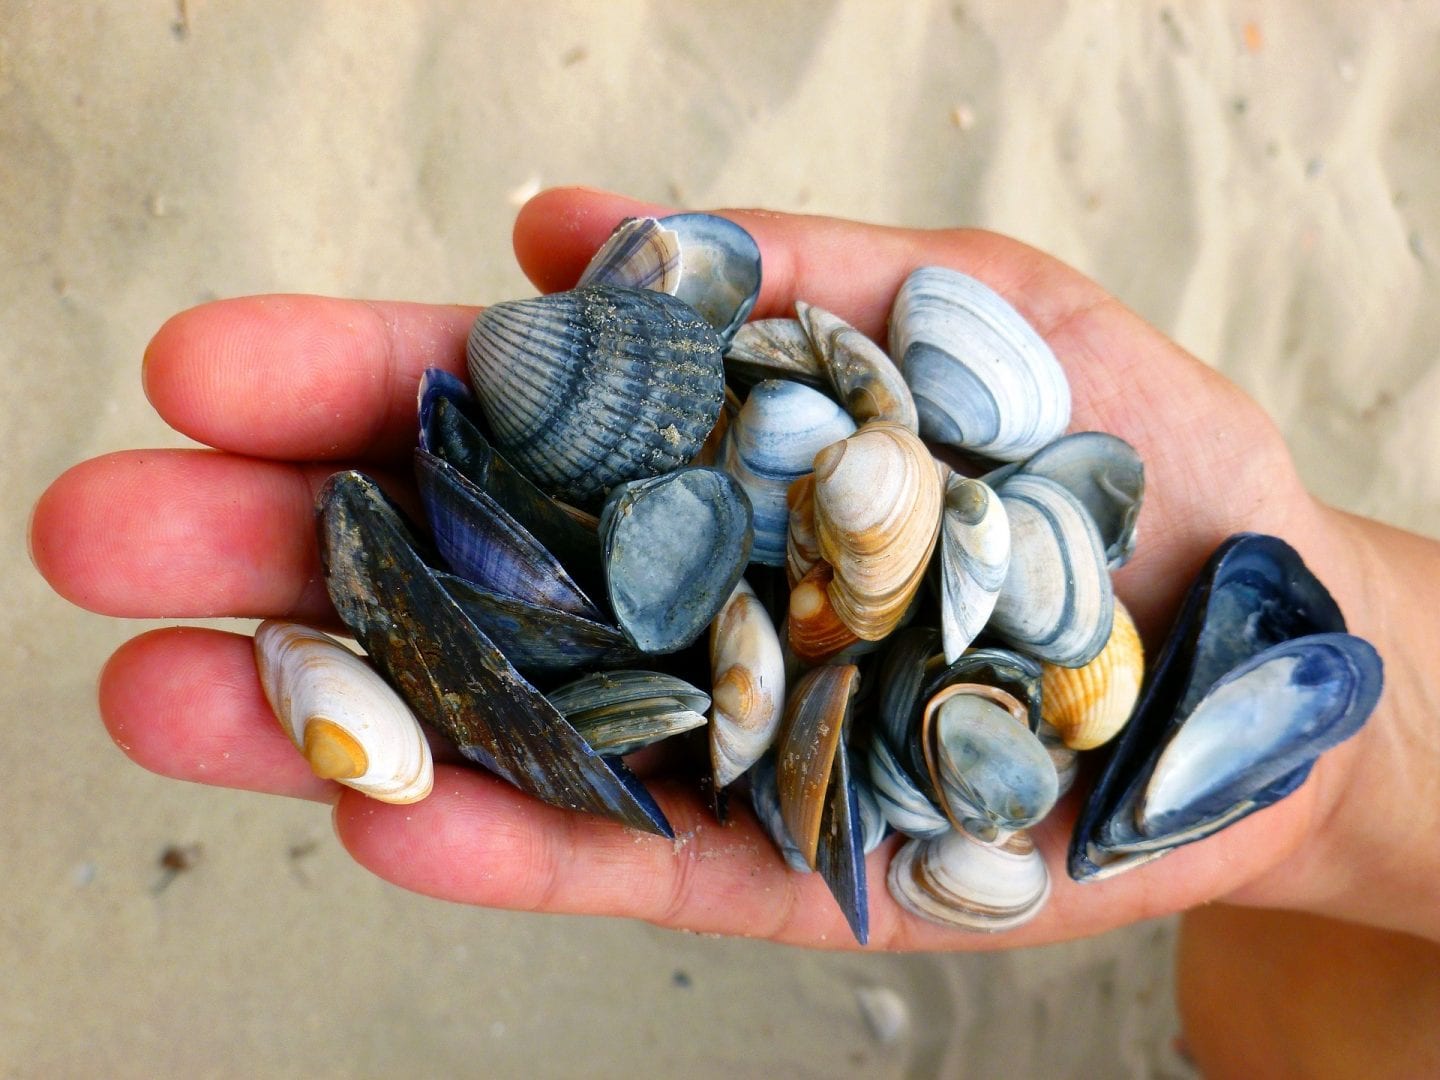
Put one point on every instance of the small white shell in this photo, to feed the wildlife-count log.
(346, 720)
(865, 380)
(974, 556)
(748, 694)
(982, 378)
(955, 880)
(1057, 602)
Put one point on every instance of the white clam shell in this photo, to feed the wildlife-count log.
(982, 378)
(748, 693)
(773, 441)
(865, 380)
(341, 714)
(1057, 602)
(955, 880)
(974, 557)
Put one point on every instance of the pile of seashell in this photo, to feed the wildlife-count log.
(893, 644)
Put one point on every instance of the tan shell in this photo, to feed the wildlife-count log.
(748, 694)
(878, 500)
(347, 721)
(814, 630)
(802, 546)
(865, 380)
(1089, 705)
(810, 735)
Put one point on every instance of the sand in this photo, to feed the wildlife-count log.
(1260, 181)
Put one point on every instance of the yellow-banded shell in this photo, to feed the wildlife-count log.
(1089, 705)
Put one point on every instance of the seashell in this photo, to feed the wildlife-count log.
(749, 684)
(902, 802)
(775, 349)
(1065, 759)
(437, 385)
(802, 546)
(814, 631)
(1057, 602)
(449, 432)
(877, 519)
(765, 799)
(1257, 679)
(590, 388)
(955, 880)
(991, 773)
(974, 557)
(483, 544)
(911, 659)
(983, 380)
(619, 712)
(449, 672)
(864, 379)
(346, 720)
(674, 547)
(1105, 473)
(640, 254)
(840, 858)
(720, 269)
(773, 442)
(873, 826)
(1089, 705)
(710, 452)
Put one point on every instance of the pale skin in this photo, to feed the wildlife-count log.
(288, 389)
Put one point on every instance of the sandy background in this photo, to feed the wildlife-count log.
(1259, 180)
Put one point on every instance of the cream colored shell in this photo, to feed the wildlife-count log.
(347, 721)
(865, 380)
(748, 694)
(1089, 705)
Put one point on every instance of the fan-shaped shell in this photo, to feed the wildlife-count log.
(974, 557)
(877, 519)
(1057, 602)
(982, 378)
(955, 880)
(748, 690)
(346, 720)
(590, 388)
(1089, 705)
(864, 379)
(773, 441)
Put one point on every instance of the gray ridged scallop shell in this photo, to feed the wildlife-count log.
(974, 557)
(590, 388)
(772, 442)
(982, 378)
(1057, 602)
(863, 378)
(955, 880)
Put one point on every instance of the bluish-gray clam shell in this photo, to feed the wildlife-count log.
(982, 378)
(955, 880)
(640, 254)
(873, 826)
(994, 775)
(590, 388)
(720, 269)
(765, 799)
(1065, 759)
(774, 349)
(908, 663)
(449, 672)
(619, 712)
(1105, 473)
(674, 547)
(482, 543)
(771, 443)
(1257, 679)
(905, 806)
(1057, 602)
(974, 558)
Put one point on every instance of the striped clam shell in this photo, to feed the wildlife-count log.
(982, 378)
(1057, 602)
(590, 388)
(640, 254)
(1087, 706)
(955, 880)
(974, 557)
(864, 379)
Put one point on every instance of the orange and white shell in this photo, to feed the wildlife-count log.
(748, 693)
(1089, 705)
(347, 721)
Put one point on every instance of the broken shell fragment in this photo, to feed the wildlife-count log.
(347, 721)
(774, 349)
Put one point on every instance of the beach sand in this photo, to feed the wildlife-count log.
(1261, 181)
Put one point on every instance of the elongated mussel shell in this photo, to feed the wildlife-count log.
(449, 671)
(346, 720)
(1257, 679)
(774, 349)
(974, 558)
(956, 880)
(618, 712)
(1105, 473)
(864, 379)
(590, 388)
(983, 380)
(748, 690)
(674, 547)
(1087, 706)
(773, 441)
(1057, 602)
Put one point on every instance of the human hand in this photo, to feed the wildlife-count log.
(290, 389)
